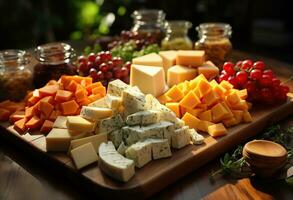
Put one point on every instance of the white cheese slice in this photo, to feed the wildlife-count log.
(114, 164)
(95, 113)
(140, 153)
(78, 123)
(180, 138)
(84, 155)
(195, 137)
(58, 140)
(96, 141)
(60, 122)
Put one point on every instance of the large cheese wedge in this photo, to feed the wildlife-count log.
(114, 164)
(84, 155)
(95, 113)
(151, 59)
(169, 59)
(178, 74)
(58, 140)
(209, 70)
(193, 58)
(150, 80)
(78, 123)
(95, 140)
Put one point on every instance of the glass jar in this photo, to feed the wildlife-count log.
(149, 23)
(15, 75)
(214, 39)
(177, 38)
(55, 60)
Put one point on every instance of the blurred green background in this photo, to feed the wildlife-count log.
(262, 26)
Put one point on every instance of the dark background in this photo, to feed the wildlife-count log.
(263, 27)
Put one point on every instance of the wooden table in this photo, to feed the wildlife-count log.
(20, 178)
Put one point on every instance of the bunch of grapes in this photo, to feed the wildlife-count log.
(261, 84)
(104, 67)
(139, 39)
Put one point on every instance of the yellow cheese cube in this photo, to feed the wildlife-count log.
(219, 112)
(203, 125)
(209, 70)
(230, 121)
(203, 106)
(242, 94)
(184, 87)
(238, 114)
(246, 116)
(163, 99)
(174, 106)
(206, 116)
(225, 84)
(151, 59)
(213, 83)
(178, 74)
(194, 82)
(183, 110)
(241, 105)
(220, 90)
(217, 130)
(224, 103)
(195, 112)
(233, 98)
(190, 100)
(169, 59)
(190, 120)
(211, 98)
(203, 87)
(192, 58)
(175, 94)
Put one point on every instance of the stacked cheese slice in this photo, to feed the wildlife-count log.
(147, 72)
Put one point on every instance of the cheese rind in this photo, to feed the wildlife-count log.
(84, 155)
(178, 74)
(78, 123)
(58, 140)
(95, 113)
(151, 59)
(95, 140)
(150, 80)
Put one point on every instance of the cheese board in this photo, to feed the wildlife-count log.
(157, 174)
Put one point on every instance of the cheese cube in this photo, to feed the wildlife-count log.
(220, 90)
(169, 59)
(77, 123)
(133, 101)
(246, 116)
(84, 155)
(203, 125)
(241, 105)
(195, 112)
(143, 118)
(242, 93)
(58, 140)
(163, 99)
(150, 80)
(203, 88)
(233, 98)
(206, 116)
(116, 87)
(113, 101)
(110, 124)
(180, 138)
(95, 113)
(151, 59)
(140, 153)
(228, 122)
(238, 114)
(225, 84)
(195, 137)
(211, 98)
(178, 74)
(60, 122)
(122, 148)
(174, 106)
(99, 103)
(219, 112)
(209, 70)
(190, 120)
(175, 93)
(193, 83)
(160, 148)
(95, 140)
(217, 130)
(192, 58)
(190, 100)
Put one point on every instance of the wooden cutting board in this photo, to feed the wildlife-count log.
(157, 174)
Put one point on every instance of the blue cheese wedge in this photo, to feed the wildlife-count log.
(116, 137)
(133, 101)
(113, 102)
(101, 103)
(143, 118)
(114, 164)
(95, 113)
(180, 138)
(122, 148)
(110, 124)
(195, 137)
(160, 148)
(140, 153)
(84, 155)
(116, 87)
(78, 123)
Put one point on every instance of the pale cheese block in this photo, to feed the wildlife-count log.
(178, 74)
(133, 101)
(58, 140)
(99, 103)
(116, 87)
(122, 148)
(192, 58)
(84, 155)
(143, 118)
(114, 164)
(150, 80)
(95, 113)
(60, 122)
(209, 70)
(140, 153)
(113, 102)
(151, 59)
(195, 137)
(78, 123)
(95, 140)
(169, 59)
(160, 148)
(110, 124)
(180, 138)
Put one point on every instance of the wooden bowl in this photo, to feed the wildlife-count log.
(264, 157)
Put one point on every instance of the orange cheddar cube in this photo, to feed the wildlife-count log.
(46, 108)
(93, 85)
(33, 100)
(49, 90)
(63, 95)
(19, 126)
(238, 114)
(195, 112)
(228, 122)
(192, 58)
(203, 125)
(206, 116)
(193, 83)
(48, 99)
(246, 116)
(203, 87)
(242, 94)
(241, 105)
(209, 70)
(175, 94)
(225, 84)
(163, 99)
(190, 100)
(220, 90)
(211, 98)
(54, 114)
(71, 86)
(190, 120)
(202, 106)
(233, 98)
(34, 123)
(183, 110)
(217, 130)
(92, 98)
(69, 107)
(174, 106)
(213, 83)
(80, 94)
(46, 127)
(219, 112)
(16, 116)
(99, 90)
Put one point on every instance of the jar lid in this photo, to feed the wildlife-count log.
(148, 15)
(180, 25)
(214, 29)
(13, 58)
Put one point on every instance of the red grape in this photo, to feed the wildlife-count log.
(246, 64)
(255, 74)
(106, 56)
(117, 73)
(239, 64)
(117, 61)
(108, 75)
(81, 58)
(265, 93)
(250, 86)
(89, 65)
(284, 89)
(269, 72)
(98, 61)
(103, 67)
(83, 67)
(223, 77)
(110, 65)
(259, 65)
(125, 79)
(229, 68)
(233, 81)
(241, 77)
(92, 57)
(128, 65)
(124, 71)
(276, 82)
(93, 74)
(265, 81)
(100, 75)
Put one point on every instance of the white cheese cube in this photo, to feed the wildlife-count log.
(160, 148)
(114, 164)
(116, 87)
(60, 122)
(116, 137)
(133, 101)
(95, 113)
(143, 118)
(78, 123)
(110, 124)
(180, 138)
(113, 102)
(84, 155)
(58, 140)
(140, 153)
(95, 140)
(195, 137)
